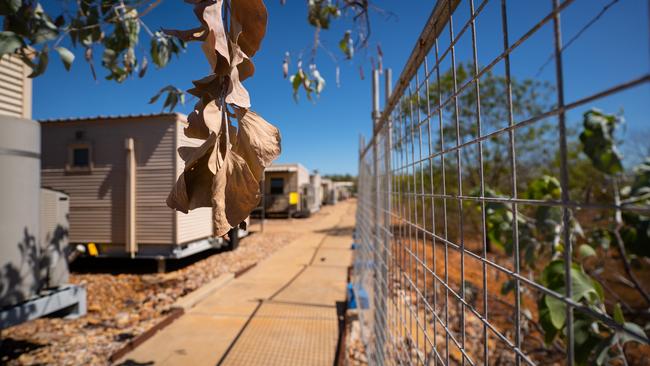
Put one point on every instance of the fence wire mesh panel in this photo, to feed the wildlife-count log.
(497, 220)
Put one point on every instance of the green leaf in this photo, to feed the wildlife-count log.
(544, 188)
(66, 56)
(557, 311)
(598, 141)
(174, 96)
(160, 49)
(296, 81)
(584, 287)
(550, 331)
(346, 45)
(586, 251)
(9, 42)
(618, 314)
(44, 34)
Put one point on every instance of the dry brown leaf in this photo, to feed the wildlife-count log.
(252, 16)
(177, 198)
(232, 135)
(258, 141)
(192, 189)
(244, 64)
(237, 55)
(210, 14)
(237, 94)
(203, 119)
(209, 86)
(235, 194)
(219, 63)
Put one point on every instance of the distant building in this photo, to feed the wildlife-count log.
(15, 88)
(282, 189)
(118, 172)
(329, 196)
(344, 190)
(290, 190)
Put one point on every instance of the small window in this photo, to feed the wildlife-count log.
(80, 157)
(277, 185)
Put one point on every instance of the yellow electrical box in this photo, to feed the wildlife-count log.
(293, 198)
(92, 250)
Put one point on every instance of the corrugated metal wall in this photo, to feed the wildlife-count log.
(196, 224)
(15, 88)
(97, 207)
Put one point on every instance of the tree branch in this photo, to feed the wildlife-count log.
(620, 245)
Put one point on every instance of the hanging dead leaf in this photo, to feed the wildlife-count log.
(252, 16)
(241, 61)
(258, 141)
(177, 198)
(203, 120)
(192, 189)
(219, 63)
(237, 94)
(235, 194)
(210, 14)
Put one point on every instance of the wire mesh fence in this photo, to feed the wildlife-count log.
(493, 223)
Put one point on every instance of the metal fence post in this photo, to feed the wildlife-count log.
(377, 242)
(387, 250)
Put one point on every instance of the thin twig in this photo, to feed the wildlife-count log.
(149, 8)
(620, 245)
(577, 35)
(611, 291)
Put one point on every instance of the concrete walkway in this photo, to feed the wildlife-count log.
(282, 312)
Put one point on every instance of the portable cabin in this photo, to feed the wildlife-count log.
(344, 190)
(118, 172)
(286, 189)
(329, 196)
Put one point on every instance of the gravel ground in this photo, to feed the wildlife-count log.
(123, 306)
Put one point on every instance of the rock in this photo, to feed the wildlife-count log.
(94, 308)
(122, 320)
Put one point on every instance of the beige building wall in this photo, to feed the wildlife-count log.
(15, 88)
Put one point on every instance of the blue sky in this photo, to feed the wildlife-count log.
(324, 135)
